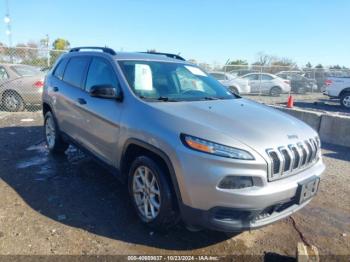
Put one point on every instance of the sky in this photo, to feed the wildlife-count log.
(209, 31)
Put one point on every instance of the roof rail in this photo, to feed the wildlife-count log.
(103, 49)
(165, 54)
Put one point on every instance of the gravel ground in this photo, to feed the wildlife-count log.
(70, 205)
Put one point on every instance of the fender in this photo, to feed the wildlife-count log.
(161, 154)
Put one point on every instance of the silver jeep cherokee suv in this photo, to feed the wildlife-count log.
(185, 146)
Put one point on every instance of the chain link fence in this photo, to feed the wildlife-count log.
(22, 73)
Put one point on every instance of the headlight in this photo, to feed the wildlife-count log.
(209, 147)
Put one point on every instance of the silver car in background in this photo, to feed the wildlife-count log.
(185, 146)
(265, 83)
(20, 85)
(234, 84)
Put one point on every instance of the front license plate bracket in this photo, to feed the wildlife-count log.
(307, 189)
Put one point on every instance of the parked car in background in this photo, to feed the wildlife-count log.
(20, 85)
(235, 85)
(267, 84)
(299, 83)
(339, 87)
(241, 72)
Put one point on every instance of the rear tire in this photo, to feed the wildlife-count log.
(275, 91)
(53, 138)
(151, 194)
(12, 102)
(345, 100)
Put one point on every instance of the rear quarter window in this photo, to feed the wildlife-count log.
(75, 69)
(59, 70)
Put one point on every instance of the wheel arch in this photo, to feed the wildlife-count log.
(46, 108)
(8, 91)
(345, 90)
(134, 147)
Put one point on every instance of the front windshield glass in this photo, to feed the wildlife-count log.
(166, 81)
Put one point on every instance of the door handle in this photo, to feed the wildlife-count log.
(81, 101)
(55, 89)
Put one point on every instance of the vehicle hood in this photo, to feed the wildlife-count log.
(253, 124)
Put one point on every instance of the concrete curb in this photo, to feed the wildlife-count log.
(334, 129)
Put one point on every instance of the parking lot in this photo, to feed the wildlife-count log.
(70, 205)
(310, 101)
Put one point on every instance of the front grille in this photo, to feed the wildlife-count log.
(287, 160)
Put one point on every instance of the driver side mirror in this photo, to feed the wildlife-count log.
(106, 91)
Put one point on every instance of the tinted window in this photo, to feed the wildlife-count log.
(266, 77)
(75, 70)
(60, 69)
(100, 73)
(3, 74)
(218, 76)
(251, 77)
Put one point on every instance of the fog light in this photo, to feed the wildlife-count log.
(236, 182)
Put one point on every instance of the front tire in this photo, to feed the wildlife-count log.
(53, 139)
(345, 100)
(151, 193)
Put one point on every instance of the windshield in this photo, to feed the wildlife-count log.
(172, 82)
(23, 70)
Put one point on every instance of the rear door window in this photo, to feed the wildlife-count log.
(75, 69)
(266, 77)
(251, 77)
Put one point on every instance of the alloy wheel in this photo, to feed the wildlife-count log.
(50, 132)
(146, 193)
(11, 102)
(346, 101)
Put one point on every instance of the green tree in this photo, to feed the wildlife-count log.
(335, 67)
(237, 64)
(59, 46)
(308, 65)
(319, 66)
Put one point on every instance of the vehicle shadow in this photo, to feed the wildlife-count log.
(336, 152)
(78, 192)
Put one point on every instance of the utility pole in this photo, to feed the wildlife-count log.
(47, 42)
(7, 21)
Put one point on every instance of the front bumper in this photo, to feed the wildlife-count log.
(206, 205)
(237, 220)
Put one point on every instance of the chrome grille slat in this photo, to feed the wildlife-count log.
(288, 160)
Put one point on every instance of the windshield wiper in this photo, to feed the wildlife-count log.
(166, 99)
(211, 98)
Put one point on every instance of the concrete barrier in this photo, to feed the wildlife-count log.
(334, 129)
(313, 119)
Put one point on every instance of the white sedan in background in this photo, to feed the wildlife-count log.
(265, 83)
(236, 85)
